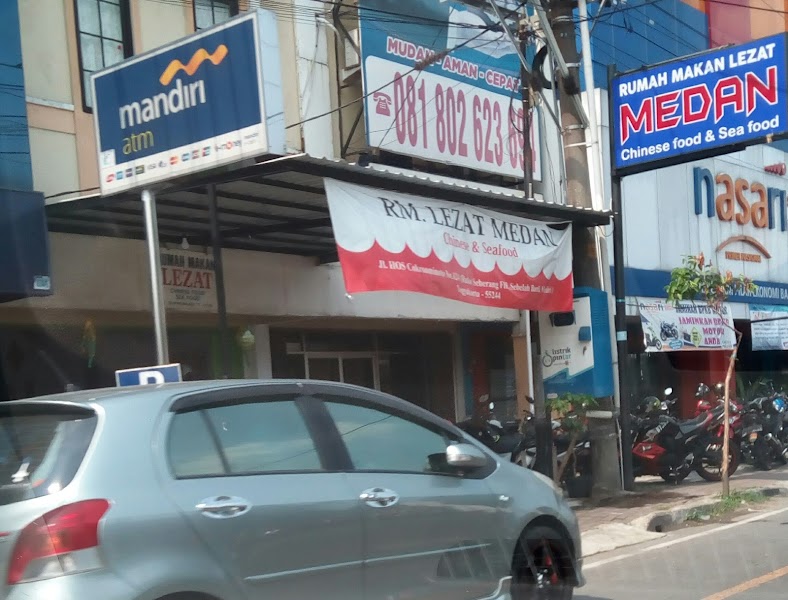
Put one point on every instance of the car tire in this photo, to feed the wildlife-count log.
(542, 568)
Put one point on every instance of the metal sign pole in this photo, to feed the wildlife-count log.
(154, 266)
(221, 297)
(621, 298)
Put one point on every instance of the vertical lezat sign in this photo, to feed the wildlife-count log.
(201, 102)
(700, 104)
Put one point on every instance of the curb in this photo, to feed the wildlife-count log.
(658, 522)
(613, 536)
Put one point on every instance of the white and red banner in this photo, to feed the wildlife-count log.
(389, 241)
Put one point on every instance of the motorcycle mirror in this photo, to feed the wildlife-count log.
(668, 391)
(492, 405)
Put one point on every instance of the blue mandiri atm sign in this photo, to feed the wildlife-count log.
(204, 101)
(691, 107)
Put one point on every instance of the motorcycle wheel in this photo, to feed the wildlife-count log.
(716, 459)
(762, 457)
(674, 478)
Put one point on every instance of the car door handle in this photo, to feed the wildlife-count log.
(379, 497)
(223, 507)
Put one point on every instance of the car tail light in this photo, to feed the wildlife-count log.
(52, 544)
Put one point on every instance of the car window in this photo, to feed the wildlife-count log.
(41, 453)
(264, 437)
(380, 441)
(192, 450)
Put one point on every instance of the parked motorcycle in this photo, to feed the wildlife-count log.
(525, 453)
(501, 437)
(765, 436)
(708, 400)
(672, 449)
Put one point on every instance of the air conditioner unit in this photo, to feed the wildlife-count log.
(352, 58)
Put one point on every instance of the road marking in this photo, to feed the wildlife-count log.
(694, 536)
(748, 585)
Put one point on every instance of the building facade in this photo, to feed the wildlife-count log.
(288, 312)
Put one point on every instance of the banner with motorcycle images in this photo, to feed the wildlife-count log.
(669, 327)
(769, 327)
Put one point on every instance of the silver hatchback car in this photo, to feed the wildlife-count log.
(269, 489)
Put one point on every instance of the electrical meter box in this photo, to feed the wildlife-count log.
(576, 346)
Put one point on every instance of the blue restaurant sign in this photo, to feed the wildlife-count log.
(710, 103)
(204, 101)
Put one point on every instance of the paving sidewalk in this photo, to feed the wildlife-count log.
(623, 520)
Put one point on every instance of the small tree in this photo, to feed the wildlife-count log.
(571, 409)
(698, 280)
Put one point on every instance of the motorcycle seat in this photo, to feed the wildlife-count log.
(687, 427)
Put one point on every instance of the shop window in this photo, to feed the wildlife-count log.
(208, 13)
(103, 38)
(416, 367)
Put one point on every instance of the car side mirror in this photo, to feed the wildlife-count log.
(465, 456)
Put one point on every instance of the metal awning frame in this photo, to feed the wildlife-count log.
(273, 204)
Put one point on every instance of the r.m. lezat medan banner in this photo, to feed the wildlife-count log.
(389, 241)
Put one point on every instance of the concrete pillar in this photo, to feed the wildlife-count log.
(262, 337)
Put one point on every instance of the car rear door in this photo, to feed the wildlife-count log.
(429, 534)
(257, 482)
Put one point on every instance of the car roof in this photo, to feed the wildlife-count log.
(194, 394)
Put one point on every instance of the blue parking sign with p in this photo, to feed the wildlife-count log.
(148, 375)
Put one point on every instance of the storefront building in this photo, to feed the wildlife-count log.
(733, 210)
(289, 311)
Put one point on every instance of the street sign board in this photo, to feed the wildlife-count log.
(465, 107)
(149, 375)
(705, 104)
(203, 101)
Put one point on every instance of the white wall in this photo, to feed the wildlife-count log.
(161, 22)
(55, 166)
(314, 79)
(45, 50)
(94, 273)
(661, 225)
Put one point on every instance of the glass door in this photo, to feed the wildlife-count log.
(358, 371)
(355, 368)
(324, 369)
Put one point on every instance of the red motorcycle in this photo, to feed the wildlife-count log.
(708, 401)
(672, 449)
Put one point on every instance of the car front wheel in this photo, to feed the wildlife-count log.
(542, 568)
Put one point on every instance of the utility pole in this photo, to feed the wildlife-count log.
(530, 322)
(605, 460)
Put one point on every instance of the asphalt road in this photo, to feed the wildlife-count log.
(744, 559)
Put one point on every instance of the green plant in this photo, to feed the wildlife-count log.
(726, 504)
(571, 409)
(697, 280)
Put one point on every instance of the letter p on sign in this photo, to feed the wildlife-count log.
(151, 377)
(148, 375)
